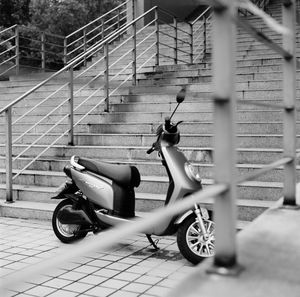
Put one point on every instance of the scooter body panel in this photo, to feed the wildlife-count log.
(98, 190)
(182, 185)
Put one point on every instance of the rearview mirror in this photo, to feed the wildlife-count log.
(181, 95)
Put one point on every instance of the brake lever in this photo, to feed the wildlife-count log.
(152, 149)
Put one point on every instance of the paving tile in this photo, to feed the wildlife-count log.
(158, 291)
(73, 276)
(62, 293)
(78, 287)
(148, 280)
(105, 272)
(93, 279)
(127, 276)
(114, 283)
(119, 266)
(137, 288)
(40, 291)
(86, 269)
(57, 283)
(99, 263)
(100, 291)
(122, 293)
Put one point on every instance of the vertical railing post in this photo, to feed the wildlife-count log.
(224, 47)
(289, 97)
(65, 51)
(191, 44)
(17, 49)
(102, 30)
(84, 45)
(43, 55)
(71, 107)
(157, 38)
(175, 40)
(134, 54)
(204, 37)
(8, 125)
(106, 75)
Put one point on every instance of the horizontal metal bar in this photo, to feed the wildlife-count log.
(7, 51)
(166, 45)
(201, 15)
(146, 50)
(8, 39)
(265, 169)
(9, 28)
(258, 103)
(6, 70)
(166, 34)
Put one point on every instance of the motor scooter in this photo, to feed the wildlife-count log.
(99, 195)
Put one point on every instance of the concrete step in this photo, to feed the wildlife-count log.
(146, 167)
(43, 211)
(199, 154)
(270, 127)
(247, 209)
(191, 140)
(149, 184)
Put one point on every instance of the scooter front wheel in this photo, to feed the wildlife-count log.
(66, 233)
(192, 243)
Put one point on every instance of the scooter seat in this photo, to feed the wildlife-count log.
(124, 175)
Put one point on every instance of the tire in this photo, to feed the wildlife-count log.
(66, 233)
(191, 243)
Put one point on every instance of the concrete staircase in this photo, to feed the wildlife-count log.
(124, 134)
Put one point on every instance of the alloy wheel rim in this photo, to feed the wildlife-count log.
(203, 246)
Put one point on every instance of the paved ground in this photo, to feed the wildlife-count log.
(130, 269)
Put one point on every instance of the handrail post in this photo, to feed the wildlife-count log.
(65, 51)
(204, 37)
(134, 54)
(289, 97)
(191, 44)
(8, 122)
(84, 45)
(157, 38)
(224, 47)
(102, 29)
(17, 49)
(106, 76)
(175, 41)
(43, 58)
(71, 106)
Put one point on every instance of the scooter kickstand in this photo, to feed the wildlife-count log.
(152, 242)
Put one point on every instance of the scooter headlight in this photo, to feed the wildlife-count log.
(192, 172)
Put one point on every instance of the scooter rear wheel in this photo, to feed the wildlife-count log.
(193, 245)
(66, 233)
